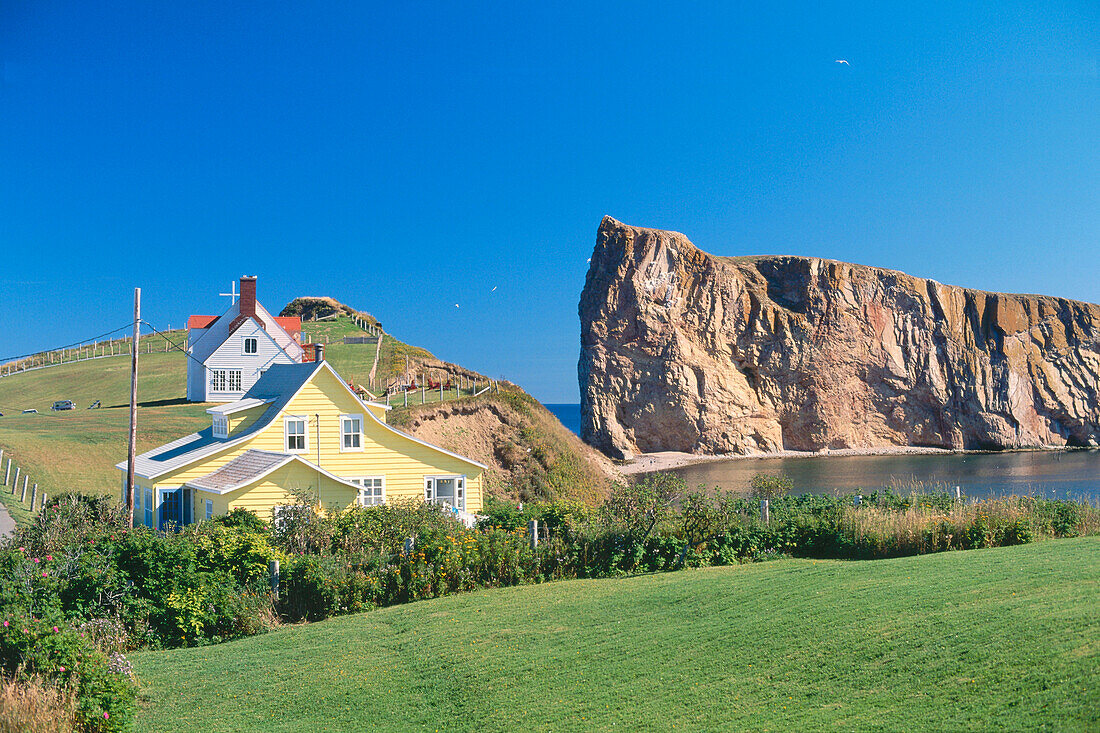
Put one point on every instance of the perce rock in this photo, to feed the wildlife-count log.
(682, 350)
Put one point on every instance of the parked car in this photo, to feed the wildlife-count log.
(64, 405)
(30, 411)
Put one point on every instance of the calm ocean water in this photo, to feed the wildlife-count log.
(1053, 474)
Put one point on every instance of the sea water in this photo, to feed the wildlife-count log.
(1073, 474)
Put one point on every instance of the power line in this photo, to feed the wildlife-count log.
(4, 359)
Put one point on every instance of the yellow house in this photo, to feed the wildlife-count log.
(300, 430)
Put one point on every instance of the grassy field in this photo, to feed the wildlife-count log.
(78, 449)
(982, 640)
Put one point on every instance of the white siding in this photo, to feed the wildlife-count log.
(230, 356)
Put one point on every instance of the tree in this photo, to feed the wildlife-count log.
(639, 507)
(763, 486)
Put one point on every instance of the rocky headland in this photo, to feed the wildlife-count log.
(686, 351)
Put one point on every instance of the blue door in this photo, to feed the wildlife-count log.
(174, 508)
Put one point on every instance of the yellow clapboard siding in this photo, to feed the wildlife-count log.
(402, 460)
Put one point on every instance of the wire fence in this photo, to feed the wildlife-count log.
(91, 349)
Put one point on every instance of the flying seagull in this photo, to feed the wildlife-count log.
(494, 289)
(456, 305)
(843, 61)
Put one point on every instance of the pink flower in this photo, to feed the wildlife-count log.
(61, 669)
(106, 715)
(43, 573)
(49, 557)
(36, 559)
(55, 629)
(6, 624)
(22, 549)
(25, 631)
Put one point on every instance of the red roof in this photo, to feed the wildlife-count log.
(290, 324)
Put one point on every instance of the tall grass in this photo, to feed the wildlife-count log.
(33, 705)
(920, 526)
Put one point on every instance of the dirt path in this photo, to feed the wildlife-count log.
(7, 524)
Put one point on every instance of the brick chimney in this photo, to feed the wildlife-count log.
(248, 296)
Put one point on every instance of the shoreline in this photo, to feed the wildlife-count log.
(668, 460)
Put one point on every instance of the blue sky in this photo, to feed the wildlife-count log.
(405, 157)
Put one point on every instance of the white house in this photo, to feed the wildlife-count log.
(229, 352)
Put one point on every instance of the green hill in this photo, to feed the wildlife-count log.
(1002, 639)
(78, 449)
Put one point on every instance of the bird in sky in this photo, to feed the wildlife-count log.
(843, 61)
(494, 289)
(456, 305)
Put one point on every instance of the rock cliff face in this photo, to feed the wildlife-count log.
(686, 351)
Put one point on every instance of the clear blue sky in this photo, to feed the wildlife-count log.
(405, 157)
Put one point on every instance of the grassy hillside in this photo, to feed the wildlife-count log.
(78, 449)
(530, 454)
(980, 640)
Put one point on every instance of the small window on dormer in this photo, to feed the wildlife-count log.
(250, 346)
(221, 426)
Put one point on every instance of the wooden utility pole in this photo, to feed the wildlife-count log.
(133, 412)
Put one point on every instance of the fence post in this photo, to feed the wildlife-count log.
(273, 571)
(533, 528)
(23, 496)
(423, 393)
(17, 469)
(765, 515)
(25, 482)
(42, 504)
(405, 394)
(857, 500)
(34, 495)
(7, 474)
(410, 545)
(958, 493)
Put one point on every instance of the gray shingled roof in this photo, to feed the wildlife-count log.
(249, 466)
(279, 383)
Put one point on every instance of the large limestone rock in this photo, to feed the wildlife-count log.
(682, 350)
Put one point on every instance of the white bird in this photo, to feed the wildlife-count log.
(456, 305)
(494, 289)
(843, 61)
(589, 260)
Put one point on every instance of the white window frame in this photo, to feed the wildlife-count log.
(304, 419)
(221, 426)
(233, 380)
(343, 435)
(381, 486)
(431, 488)
(255, 346)
(218, 380)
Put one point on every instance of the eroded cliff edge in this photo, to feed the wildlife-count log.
(683, 350)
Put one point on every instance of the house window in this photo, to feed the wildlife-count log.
(148, 507)
(351, 432)
(225, 380)
(295, 428)
(250, 346)
(209, 513)
(221, 426)
(371, 492)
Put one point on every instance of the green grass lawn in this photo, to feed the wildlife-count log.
(983, 640)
